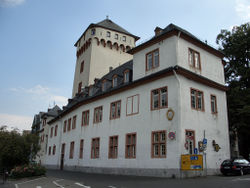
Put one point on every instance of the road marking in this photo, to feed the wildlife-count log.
(38, 187)
(16, 185)
(82, 185)
(111, 186)
(242, 179)
(58, 185)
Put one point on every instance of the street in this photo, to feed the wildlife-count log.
(65, 179)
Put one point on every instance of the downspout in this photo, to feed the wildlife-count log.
(179, 132)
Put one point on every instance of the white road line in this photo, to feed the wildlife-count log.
(58, 185)
(110, 186)
(16, 185)
(241, 179)
(59, 180)
(38, 187)
(82, 185)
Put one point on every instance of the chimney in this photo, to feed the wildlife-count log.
(110, 69)
(158, 31)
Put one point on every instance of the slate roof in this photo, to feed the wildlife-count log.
(53, 112)
(109, 24)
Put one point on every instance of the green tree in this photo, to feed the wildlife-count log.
(235, 45)
(16, 149)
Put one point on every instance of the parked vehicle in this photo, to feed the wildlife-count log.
(235, 166)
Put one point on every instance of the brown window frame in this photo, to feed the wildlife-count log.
(153, 59)
(104, 85)
(65, 126)
(74, 122)
(79, 87)
(197, 99)
(71, 151)
(51, 132)
(132, 106)
(99, 120)
(129, 145)
(113, 147)
(82, 67)
(159, 143)
(124, 76)
(85, 114)
(56, 127)
(54, 150)
(49, 150)
(191, 54)
(95, 149)
(215, 104)
(69, 125)
(117, 115)
(159, 98)
(81, 149)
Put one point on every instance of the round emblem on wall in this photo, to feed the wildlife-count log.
(170, 114)
(171, 135)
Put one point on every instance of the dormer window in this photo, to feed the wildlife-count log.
(126, 76)
(91, 90)
(114, 81)
(108, 34)
(194, 59)
(104, 85)
(152, 60)
(92, 31)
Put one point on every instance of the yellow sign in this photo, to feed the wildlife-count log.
(191, 162)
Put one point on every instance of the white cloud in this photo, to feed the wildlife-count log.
(243, 9)
(16, 121)
(43, 94)
(11, 2)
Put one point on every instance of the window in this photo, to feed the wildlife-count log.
(91, 89)
(74, 122)
(126, 76)
(80, 87)
(124, 38)
(71, 152)
(116, 36)
(95, 148)
(194, 59)
(114, 81)
(65, 126)
(213, 104)
(108, 34)
(92, 31)
(113, 147)
(69, 124)
(85, 118)
(190, 141)
(63, 148)
(51, 132)
(82, 67)
(158, 144)
(159, 98)
(197, 101)
(54, 150)
(81, 149)
(115, 110)
(130, 145)
(50, 150)
(56, 127)
(98, 114)
(152, 60)
(104, 85)
(132, 105)
(44, 122)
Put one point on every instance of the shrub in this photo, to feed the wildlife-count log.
(27, 171)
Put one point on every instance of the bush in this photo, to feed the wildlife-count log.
(27, 171)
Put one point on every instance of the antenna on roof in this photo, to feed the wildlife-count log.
(107, 17)
(54, 103)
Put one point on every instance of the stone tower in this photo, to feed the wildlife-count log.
(101, 47)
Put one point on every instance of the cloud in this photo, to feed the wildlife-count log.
(43, 94)
(16, 121)
(11, 2)
(243, 9)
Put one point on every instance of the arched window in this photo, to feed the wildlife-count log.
(116, 46)
(122, 47)
(109, 44)
(103, 42)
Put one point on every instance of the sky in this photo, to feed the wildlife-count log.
(37, 53)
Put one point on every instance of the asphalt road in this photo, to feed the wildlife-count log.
(64, 179)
